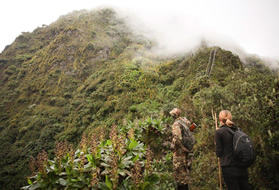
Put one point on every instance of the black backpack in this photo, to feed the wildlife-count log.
(188, 139)
(244, 154)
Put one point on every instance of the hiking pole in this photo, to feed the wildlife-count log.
(219, 165)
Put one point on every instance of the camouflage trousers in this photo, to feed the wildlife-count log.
(181, 168)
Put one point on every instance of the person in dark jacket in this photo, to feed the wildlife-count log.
(236, 178)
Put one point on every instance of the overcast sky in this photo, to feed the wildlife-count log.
(252, 25)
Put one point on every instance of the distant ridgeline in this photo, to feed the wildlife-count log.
(89, 70)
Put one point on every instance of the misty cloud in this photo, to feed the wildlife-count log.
(178, 34)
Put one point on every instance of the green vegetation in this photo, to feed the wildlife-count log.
(88, 71)
(121, 162)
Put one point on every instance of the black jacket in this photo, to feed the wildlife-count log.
(224, 145)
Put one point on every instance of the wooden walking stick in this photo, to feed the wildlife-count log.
(219, 165)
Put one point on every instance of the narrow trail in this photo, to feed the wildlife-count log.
(211, 61)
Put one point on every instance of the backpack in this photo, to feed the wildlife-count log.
(243, 154)
(188, 139)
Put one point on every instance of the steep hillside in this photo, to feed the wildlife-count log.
(89, 70)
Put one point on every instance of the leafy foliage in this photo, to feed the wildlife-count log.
(121, 162)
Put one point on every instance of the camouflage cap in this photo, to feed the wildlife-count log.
(175, 112)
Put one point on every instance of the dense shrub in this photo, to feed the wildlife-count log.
(121, 162)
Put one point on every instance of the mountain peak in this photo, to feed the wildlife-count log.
(89, 70)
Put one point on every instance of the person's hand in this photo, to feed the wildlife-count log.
(172, 146)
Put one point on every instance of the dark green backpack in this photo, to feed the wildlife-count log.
(188, 139)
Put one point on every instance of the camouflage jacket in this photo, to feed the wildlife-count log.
(179, 148)
(182, 157)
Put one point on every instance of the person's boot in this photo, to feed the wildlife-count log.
(182, 187)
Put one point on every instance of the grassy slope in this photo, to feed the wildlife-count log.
(89, 70)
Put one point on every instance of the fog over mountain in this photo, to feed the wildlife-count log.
(177, 26)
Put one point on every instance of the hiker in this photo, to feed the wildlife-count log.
(235, 177)
(182, 157)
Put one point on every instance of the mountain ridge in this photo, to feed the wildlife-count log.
(89, 70)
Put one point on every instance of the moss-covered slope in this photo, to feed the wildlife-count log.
(89, 70)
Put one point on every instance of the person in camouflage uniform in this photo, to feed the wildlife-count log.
(182, 157)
